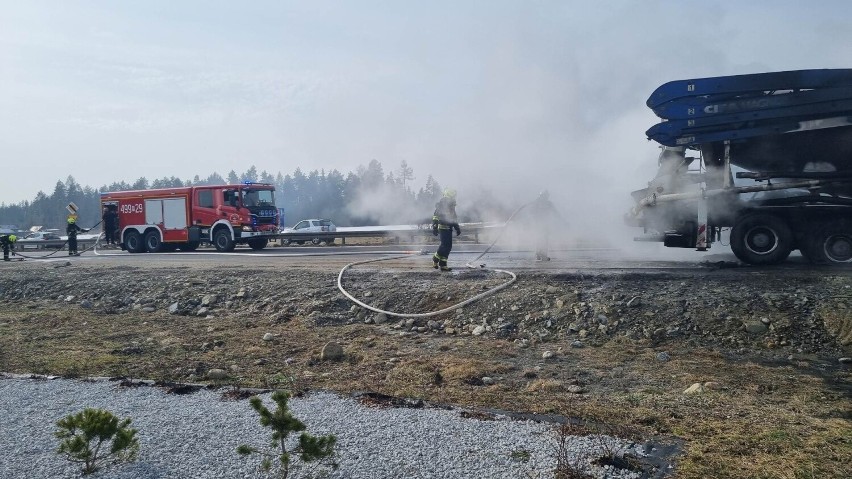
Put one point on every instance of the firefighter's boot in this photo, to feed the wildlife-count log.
(435, 262)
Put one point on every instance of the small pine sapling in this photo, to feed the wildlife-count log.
(310, 449)
(95, 436)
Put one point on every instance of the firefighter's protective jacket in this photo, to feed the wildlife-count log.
(445, 215)
(72, 229)
(5, 241)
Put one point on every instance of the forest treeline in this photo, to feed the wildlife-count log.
(367, 196)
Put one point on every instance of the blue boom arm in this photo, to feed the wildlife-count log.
(746, 106)
(739, 84)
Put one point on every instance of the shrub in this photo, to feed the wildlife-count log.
(310, 449)
(95, 436)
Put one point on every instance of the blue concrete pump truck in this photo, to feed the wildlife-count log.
(768, 155)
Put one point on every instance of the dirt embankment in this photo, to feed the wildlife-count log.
(763, 354)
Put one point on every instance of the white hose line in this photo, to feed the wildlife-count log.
(470, 263)
(418, 315)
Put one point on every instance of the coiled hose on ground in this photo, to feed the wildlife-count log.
(479, 296)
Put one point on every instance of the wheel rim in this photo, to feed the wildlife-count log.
(761, 240)
(222, 241)
(838, 248)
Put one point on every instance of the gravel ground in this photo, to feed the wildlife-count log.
(770, 312)
(196, 435)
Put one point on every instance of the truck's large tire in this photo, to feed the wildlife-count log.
(222, 240)
(133, 242)
(761, 239)
(831, 244)
(153, 244)
(258, 243)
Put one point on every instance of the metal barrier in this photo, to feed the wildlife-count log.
(469, 229)
(29, 245)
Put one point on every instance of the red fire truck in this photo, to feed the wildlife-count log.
(182, 218)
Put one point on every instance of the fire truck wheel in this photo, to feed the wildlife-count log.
(259, 243)
(832, 244)
(152, 242)
(222, 240)
(133, 242)
(761, 239)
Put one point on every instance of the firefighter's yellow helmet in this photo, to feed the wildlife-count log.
(72, 219)
(13, 238)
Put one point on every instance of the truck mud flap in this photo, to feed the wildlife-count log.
(194, 233)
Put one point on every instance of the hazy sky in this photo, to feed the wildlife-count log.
(511, 96)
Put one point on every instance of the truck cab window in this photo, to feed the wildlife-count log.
(250, 198)
(230, 197)
(205, 198)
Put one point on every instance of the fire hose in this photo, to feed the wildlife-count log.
(63, 246)
(479, 296)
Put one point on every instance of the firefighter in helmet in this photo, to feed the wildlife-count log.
(72, 231)
(444, 221)
(109, 220)
(545, 218)
(8, 242)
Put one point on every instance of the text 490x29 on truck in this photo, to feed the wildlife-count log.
(182, 218)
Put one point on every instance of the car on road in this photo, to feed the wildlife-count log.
(41, 240)
(317, 231)
(42, 236)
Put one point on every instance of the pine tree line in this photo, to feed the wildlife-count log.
(367, 196)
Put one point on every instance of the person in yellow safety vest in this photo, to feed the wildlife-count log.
(72, 231)
(8, 242)
(444, 221)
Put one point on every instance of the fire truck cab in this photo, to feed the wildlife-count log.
(182, 218)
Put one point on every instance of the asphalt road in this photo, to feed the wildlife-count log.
(416, 257)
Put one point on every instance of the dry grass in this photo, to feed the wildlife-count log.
(764, 421)
(838, 322)
(545, 386)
